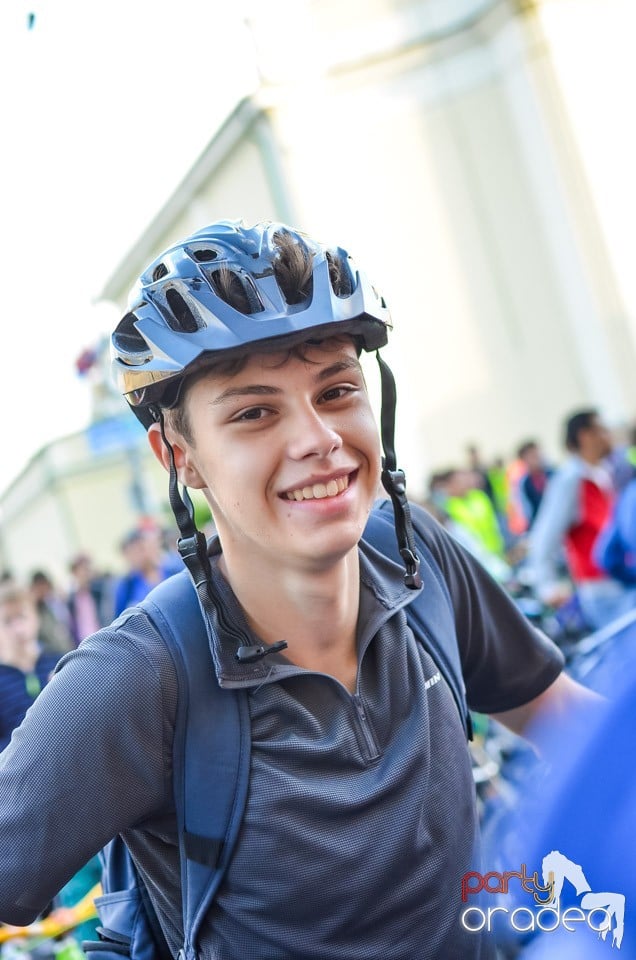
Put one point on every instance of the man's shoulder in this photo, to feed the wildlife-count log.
(442, 550)
(134, 637)
(169, 613)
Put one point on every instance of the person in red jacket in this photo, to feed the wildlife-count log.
(574, 509)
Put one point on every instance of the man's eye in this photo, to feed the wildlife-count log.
(336, 393)
(254, 413)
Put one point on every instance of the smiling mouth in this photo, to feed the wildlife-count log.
(319, 491)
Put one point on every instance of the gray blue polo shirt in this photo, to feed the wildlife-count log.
(360, 817)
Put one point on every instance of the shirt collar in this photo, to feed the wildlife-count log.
(382, 594)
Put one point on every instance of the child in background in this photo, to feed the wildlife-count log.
(24, 667)
(24, 670)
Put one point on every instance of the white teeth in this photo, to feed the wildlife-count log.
(319, 491)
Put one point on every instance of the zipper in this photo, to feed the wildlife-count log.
(371, 748)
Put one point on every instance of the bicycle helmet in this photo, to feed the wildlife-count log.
(224, 290)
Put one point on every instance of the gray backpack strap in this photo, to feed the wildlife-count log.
(211, 755)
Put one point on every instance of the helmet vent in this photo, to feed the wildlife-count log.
(159, 272)
(127, 340)
(293, 268)
(204, 256)
(235, 289)
(183, 319)
(339, 275)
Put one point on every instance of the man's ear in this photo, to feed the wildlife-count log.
(187, 472)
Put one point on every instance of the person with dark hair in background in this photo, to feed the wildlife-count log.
(55, 621)
(576, 505)
(89, 600)
(533, 483)
(147, 565)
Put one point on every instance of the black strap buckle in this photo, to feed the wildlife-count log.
(412, 577)
(194, 553)
(394, 482)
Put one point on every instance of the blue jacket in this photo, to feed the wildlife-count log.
(615, 549)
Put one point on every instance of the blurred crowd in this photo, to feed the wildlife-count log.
(40, 621)
(564, 532)
(93, 598)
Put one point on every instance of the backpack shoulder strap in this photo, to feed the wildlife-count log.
(211, 754)
(430, 614)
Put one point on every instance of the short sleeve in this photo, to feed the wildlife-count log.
(506, 661)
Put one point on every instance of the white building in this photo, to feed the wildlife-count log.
(433, 140)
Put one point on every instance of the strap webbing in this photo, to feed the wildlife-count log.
(394, 480)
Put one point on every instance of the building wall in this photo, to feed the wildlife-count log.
(79, 495)
(433, 140)
(444, 159)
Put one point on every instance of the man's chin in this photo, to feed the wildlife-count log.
(332, 550)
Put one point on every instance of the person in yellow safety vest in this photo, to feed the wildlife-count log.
(457, 493)
(498, 479)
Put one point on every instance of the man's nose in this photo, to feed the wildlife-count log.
(312, 435)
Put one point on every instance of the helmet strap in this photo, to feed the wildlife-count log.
(394, 480)
(192, 545)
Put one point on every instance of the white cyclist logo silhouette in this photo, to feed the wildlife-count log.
(603, 911)
(556, 869)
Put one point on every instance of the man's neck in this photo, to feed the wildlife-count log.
(315, 611)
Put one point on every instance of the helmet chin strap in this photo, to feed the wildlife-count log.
(394, 480)
(192, 545)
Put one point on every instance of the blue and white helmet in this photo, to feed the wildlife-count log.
(224, 290)
(178, 311)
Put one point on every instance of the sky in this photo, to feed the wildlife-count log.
(105, 106)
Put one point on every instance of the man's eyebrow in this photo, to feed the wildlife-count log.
(340, 366)
(249, 390)
(263, 390)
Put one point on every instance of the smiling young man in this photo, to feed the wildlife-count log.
(288, 453)
(239, 353)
